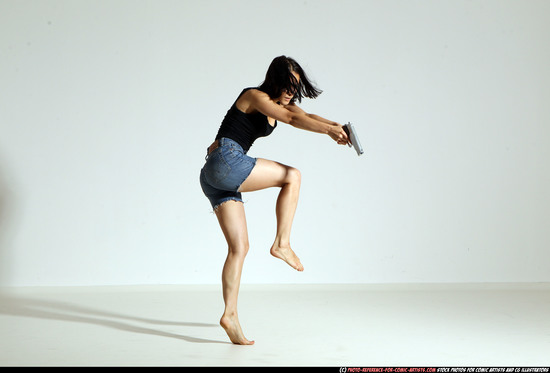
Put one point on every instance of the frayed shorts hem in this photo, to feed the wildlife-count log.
(218, 205)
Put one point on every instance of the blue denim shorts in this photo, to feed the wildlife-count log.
(226, 168)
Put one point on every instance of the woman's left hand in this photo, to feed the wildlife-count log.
(338, 134)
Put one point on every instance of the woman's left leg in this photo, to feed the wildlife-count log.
(267, 174)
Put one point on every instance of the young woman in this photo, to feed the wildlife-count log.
(229, 171)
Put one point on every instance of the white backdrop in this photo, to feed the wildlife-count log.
(106, 108)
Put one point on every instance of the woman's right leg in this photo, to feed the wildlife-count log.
(232, 221)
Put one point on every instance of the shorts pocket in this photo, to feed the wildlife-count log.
(216, 169)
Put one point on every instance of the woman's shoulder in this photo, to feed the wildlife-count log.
(245, 101)
(252, 91)
(251, 94)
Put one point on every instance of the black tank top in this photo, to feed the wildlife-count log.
(244, 128)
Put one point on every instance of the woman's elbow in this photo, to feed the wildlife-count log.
(294, 119)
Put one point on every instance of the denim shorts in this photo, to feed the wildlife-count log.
(226, 168)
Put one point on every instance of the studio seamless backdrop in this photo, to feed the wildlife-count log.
(107, 107)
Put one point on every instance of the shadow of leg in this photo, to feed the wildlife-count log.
(54, 310)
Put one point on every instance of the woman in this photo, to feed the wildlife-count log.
(229, 171)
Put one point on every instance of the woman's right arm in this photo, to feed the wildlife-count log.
(261, 102)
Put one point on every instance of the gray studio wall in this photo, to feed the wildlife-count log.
(107, 107)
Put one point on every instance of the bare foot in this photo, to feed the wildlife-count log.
(285, 253)
(233, 329)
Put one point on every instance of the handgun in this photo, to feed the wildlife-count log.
(354, 139)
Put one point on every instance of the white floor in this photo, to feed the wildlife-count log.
(293, 325)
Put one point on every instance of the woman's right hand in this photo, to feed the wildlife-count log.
(338, 134)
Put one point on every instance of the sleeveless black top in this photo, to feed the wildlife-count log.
(244, 128)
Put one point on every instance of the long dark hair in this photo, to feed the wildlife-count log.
(279, 78)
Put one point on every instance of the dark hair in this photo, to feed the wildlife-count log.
(279, 78)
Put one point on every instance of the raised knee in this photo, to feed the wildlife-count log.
(294, 175)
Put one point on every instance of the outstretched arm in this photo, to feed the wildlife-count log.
(295, 108)
(296, 117)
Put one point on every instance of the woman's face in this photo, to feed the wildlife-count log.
(286, 97)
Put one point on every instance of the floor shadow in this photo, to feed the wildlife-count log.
(62, 311)
(16, 305)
